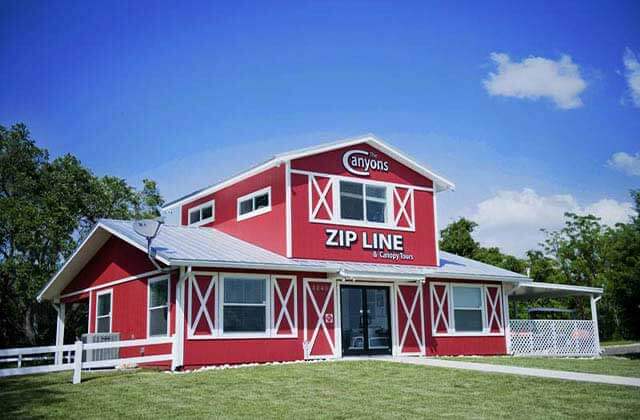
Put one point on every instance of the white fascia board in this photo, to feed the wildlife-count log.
(253, 266)
(562, 287)
(66, 263)
(479, 277)
(297, 154)
(378, 144)
(271, 163)
(86, 240)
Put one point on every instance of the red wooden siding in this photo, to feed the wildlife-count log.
(319, 318)
(410, 322)
(267, 230)
(331, 163)
(115, 260)
(481, 344)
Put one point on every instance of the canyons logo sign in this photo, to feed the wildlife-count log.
(361, 162)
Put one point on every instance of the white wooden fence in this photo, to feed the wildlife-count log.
(71, 357)
(548, 337)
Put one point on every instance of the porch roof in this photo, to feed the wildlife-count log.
(533, 290)
(179, 246)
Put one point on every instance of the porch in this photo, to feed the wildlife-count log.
(553, 337)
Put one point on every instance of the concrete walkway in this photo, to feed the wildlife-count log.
(515, 370)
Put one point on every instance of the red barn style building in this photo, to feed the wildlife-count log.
(325, 252)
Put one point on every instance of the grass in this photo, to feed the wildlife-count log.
(620, 366)
(353, 389)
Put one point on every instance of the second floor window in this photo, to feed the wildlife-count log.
(202, 214)
(253, 204)
(363, 202)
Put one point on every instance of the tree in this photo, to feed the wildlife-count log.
(457, 238)
(44, 204)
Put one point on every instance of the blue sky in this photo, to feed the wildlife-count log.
(190, 93)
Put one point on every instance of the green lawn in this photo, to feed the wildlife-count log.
(610, 365)
(357, 389)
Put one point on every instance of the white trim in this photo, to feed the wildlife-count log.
(409, 311)
(266, 305)
(352, 178)
(100, 293)
(288, 223)
(112, 283)
(440, 301)
(557, 286)
(167, 278)
(288, 157)
(321, 311)
(284, 297)
(334, 211)
(203, 297)
(231, 181)
(492, 308)
(451, 314)
(436, 229)
(178, 346)
(199, 208)
(252, 196)
(89, 312)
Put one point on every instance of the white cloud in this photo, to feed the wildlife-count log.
(537, 77)
(511, 220)
(632, 73)
(624, 162)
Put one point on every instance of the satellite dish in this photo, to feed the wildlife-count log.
(147, 228)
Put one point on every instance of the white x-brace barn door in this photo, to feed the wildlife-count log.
(321, 198)
(284, 301)
(410, 318)
(201, 308)
(319, 312)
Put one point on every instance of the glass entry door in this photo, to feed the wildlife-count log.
(366, 325)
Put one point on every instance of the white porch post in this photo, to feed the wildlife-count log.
(506, 317)
(177, 348)
(60, 309)
(594, 318)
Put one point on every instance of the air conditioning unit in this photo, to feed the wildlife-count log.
(100, 354)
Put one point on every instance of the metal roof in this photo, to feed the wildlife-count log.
(533, 290)
(209, 247)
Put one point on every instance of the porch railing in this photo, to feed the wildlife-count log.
(547, 337)
(70, 357)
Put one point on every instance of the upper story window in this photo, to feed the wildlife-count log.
(202, 214)
(258, 202)
(363, 202)
(467, 308)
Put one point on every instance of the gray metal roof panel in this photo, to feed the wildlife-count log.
(211, 246)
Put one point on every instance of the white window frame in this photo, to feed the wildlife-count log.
(451, 308)
(151, 281)
(198, 209)
(336, 218)
(98, 294)
(252, 196)
(267, 306)
(388, 200)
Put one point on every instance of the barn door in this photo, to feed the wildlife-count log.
(410, 318)
(319, 307)
(201, 309)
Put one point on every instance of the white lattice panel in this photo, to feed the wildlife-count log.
(547, 337)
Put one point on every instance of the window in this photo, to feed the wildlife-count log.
(363, 202)
(467, 308)
(103, 312)
(158, 307)
(244, 307)
(258, 202)
(202, 214)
